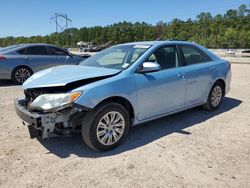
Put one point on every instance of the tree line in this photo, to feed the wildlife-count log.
(231, 30)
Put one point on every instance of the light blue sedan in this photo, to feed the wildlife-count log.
(120, 87)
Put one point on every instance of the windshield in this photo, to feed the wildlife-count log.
(117, 57)
(9, 48)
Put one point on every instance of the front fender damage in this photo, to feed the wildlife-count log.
(63, 122)
(47, 125)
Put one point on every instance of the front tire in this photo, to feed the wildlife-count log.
(106, 126)
(215, 97)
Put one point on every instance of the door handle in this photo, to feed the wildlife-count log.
(212, 68)
(181, 75)
(27, 58)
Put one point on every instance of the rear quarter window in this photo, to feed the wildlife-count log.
(21, 51)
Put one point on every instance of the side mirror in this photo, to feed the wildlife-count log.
(149, 67)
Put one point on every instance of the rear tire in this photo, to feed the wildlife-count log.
(21, 74)
(215, 97)
(106, 126)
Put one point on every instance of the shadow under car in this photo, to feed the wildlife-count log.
(139, 135)
(6, 83)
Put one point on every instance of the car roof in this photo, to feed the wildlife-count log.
(25, 45)
(152, 43)
(173, 42)
(36, 44)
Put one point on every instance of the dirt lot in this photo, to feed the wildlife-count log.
(191, 149)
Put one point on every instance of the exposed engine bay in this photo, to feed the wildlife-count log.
(58, 121)
(49, 124)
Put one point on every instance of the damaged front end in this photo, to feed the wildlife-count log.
(50, 114)
(49, 106)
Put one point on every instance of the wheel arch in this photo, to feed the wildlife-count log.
(222, 81)
(19, 66)
(210, 86)
(122, 101)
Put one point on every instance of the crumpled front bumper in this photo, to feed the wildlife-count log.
(39, 124)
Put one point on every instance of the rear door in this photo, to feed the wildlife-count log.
(199, 72)
(37, 57)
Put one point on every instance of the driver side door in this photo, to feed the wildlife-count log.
(161, 92)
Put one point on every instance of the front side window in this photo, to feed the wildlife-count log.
(166, 56)
(56, 51)
(36, 50)
(117, 57)
(193, 55)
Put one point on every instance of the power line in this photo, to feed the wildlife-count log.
(61, 26)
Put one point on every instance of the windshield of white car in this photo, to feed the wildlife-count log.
(117, 57)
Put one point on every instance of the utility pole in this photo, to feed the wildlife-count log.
(66, 18)
(56, 22)
(63, 25)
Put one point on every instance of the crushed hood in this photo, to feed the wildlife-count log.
(66, 74)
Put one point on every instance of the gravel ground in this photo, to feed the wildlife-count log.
(194, 148)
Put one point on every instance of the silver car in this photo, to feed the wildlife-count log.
(19, 62)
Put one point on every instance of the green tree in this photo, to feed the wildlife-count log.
(231, 30)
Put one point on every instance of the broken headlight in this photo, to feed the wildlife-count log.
(54, 102)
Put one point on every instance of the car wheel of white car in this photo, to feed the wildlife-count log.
(21, 74)
(215, 97)
(106, 126)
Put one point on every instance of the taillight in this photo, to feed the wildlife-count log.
(2, 57)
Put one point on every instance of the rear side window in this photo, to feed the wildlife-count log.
(194, 55)
(56, 51)
(36, 50)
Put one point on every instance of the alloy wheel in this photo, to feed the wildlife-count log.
(216, 96)
(21, 75)
(110, 128)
